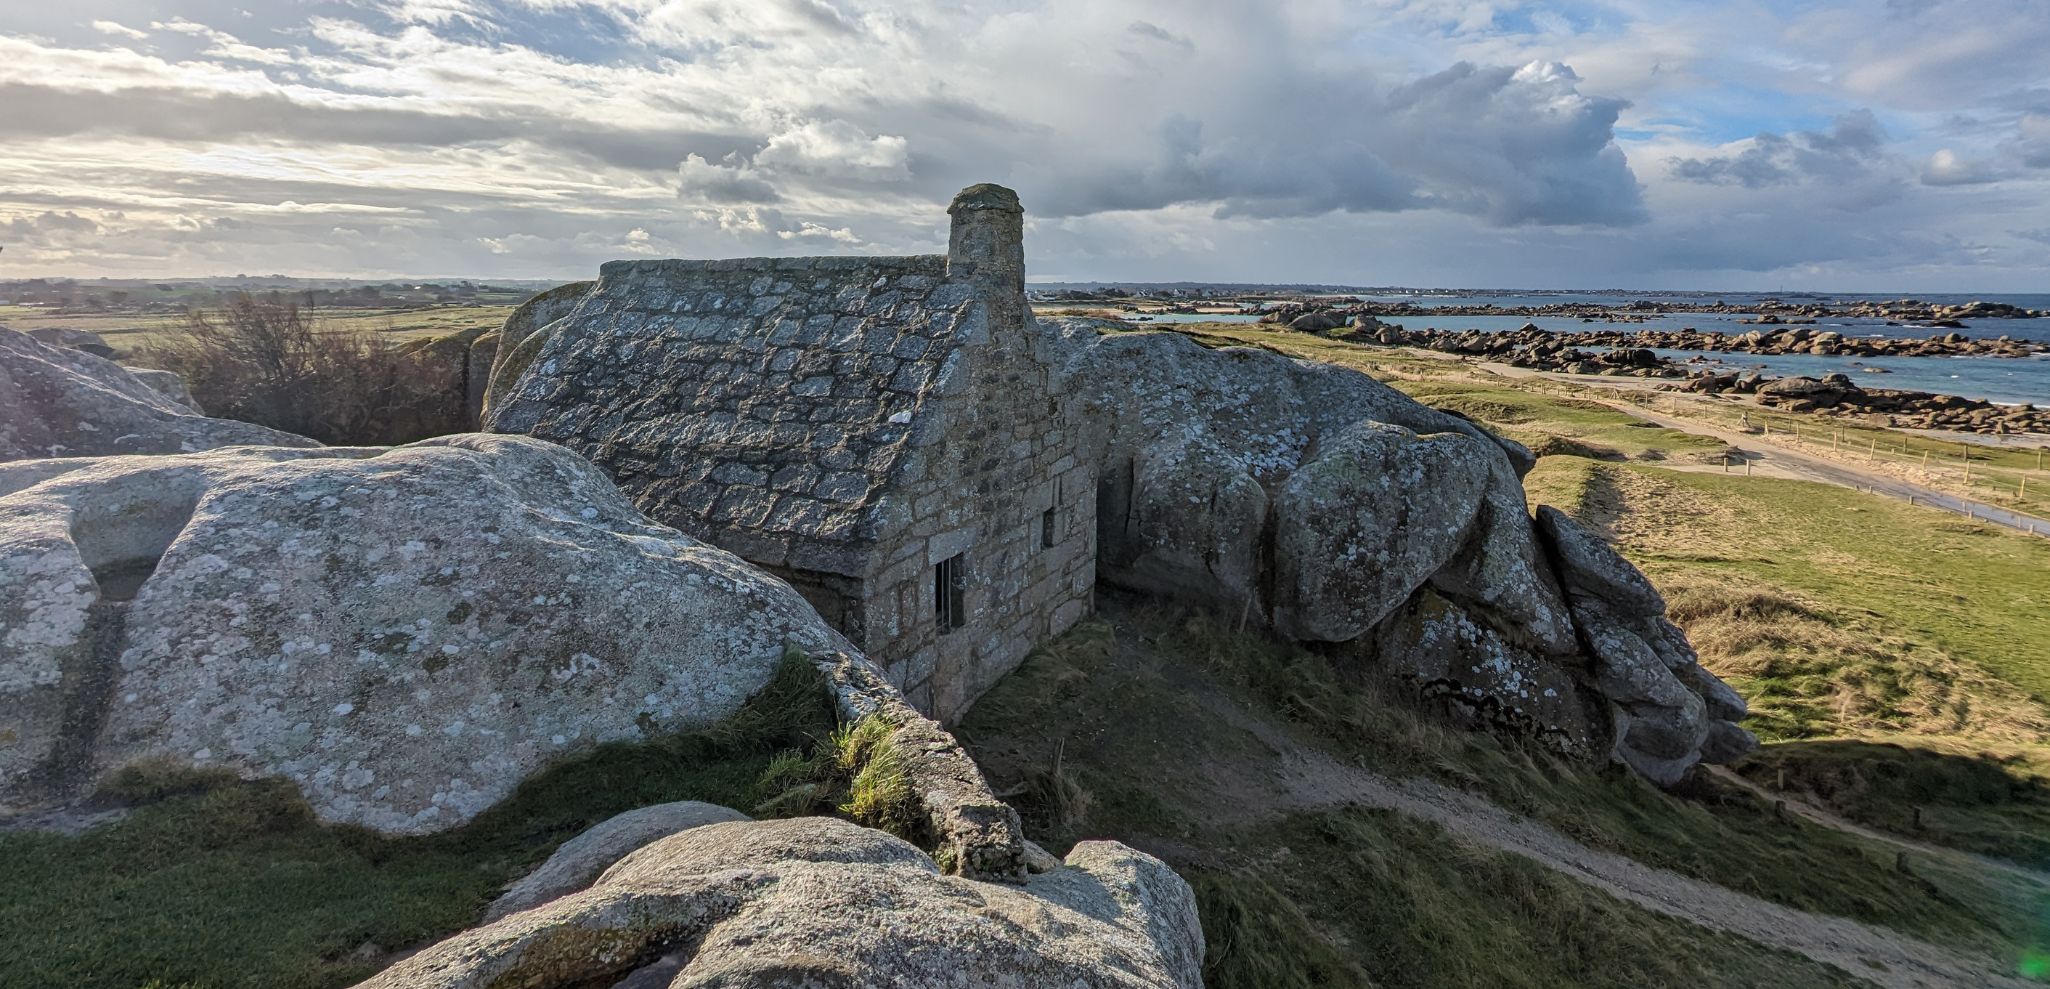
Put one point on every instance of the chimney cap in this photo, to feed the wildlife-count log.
(986, 195)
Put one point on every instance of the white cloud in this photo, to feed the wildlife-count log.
(1945, 167)
(835, 147)
(1426, 140)
(815, 231)
(639, 241)
(119, 30)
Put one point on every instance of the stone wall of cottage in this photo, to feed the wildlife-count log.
(993, 478)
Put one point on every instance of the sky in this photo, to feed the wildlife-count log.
(1856, 145)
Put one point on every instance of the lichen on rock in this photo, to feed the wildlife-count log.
(819, 902)
(405, 634)
(59, 402)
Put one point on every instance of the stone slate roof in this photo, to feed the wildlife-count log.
(755, 397)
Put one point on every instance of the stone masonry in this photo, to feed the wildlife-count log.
(880, 432)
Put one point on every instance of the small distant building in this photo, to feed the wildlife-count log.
(875, 430)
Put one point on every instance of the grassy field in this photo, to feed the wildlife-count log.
(216, 884)
(2011, 476)
(1929, 577)
(1093, 735)
(1895, 655)
(1554, 425)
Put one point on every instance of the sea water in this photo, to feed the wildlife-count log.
(1994, 379)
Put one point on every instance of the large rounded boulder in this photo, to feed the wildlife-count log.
(818, 903)
(1339, 510)
(403, 633)
(60, 402)
(1309, 495)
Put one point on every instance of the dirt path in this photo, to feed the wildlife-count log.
(1310, 780)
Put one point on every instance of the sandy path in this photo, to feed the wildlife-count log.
(1310, 780)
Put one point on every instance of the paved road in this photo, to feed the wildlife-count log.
(1792, 462)
(1788, 461)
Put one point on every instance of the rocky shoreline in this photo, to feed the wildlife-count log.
(1632, 355)
(1899, 311)
(1781, 340)
(1838, 395)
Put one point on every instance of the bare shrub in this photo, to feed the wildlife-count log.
(265, 360)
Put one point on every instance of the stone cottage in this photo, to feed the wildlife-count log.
(946, 478)
(878, 431)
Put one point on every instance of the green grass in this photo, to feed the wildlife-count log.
(234, 885)
(1711, 833)
(1893, 655)
(1380, 361)
(1989, 799)
(879, 791)
(1996, 473)
(859, 771)
(1969, 589)
(1372, 898)
(1551, 425)
(1120, 704)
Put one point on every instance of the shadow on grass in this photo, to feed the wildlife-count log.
(1994, 802)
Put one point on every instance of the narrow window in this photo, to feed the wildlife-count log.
(1046, 529)
(949, 587)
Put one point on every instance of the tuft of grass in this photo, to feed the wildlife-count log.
(857, 744)
(859, 771)
(217, 883)
(880, 795)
